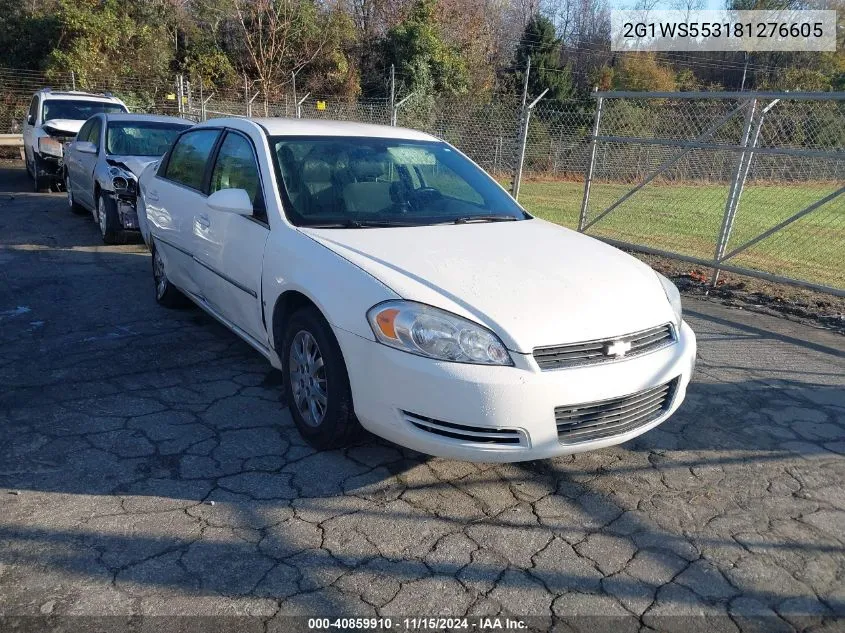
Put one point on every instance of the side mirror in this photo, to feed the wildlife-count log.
(30, 120)
(231, 200)
(86, 147)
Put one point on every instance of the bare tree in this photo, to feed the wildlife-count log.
(280, 38)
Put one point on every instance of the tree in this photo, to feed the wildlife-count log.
(108, 41)
(27, 34)
(424, 63)
(540, 42)
(281, 37)
(642, 71)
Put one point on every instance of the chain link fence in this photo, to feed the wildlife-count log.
(748, 182)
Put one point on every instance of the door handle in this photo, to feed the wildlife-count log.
(203, 220)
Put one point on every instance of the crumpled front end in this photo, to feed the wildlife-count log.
(124, 190)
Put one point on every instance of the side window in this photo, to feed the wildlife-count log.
(236, 169)
(94, 134)
(189, 156)
(33, 109)
(85, 132)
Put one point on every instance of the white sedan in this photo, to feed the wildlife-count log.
(398, 287)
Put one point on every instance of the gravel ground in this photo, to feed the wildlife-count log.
(148, 467)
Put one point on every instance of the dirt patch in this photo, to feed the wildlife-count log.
(791, 302)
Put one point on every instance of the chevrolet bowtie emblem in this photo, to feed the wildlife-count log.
(617, 348)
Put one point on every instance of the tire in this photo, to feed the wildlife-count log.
(167, 295)
(309, 382)
(73, 206)
(40, 184)
(107, 219)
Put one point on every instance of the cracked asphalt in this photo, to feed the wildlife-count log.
(148, 467)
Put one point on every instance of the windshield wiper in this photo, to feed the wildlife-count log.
(484, 218)
(358, 224)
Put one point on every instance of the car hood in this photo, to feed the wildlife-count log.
(62, 126)
(135, 164)
(532, 282)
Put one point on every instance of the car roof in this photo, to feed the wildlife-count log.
(323, 127)
(76, 95)
(154, 118)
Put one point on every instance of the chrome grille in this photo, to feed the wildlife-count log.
(594, 352)
(466, 433)
(597, 420)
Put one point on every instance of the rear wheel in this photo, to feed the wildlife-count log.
(107, 219)
(76, 208)
(316, 382)
(167, 294)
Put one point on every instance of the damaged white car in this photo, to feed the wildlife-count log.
(102, 166)
(52, 121)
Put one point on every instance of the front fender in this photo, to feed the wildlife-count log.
(342, 291)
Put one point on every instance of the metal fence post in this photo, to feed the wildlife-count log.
(588, 176)
(737, 183)
(180, 91)
(526, 120)
(395, 116)
(299, 105)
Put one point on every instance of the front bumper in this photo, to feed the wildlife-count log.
(49, 166)
(387, 384)
(127, 213)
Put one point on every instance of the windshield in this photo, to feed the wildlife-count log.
(350, 181)
(141, 138)
(77, 110)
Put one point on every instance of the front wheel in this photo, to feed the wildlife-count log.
(316, 382)
(40, 184)
(108, 220)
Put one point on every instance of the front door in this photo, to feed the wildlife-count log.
(84, 191)
(229, 248)
(73, 163)
(172, 199)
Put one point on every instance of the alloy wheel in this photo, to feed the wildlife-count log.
(308, 378)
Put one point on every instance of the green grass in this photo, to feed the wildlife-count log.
(686, 219)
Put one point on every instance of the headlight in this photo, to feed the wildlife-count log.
(48, 145)
(121, 180)
(427, 331)
(673, 296)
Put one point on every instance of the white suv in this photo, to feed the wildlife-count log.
(53, 119)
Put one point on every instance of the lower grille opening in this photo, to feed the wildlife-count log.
(606, 418)
(466, 433)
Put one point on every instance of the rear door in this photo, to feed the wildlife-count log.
(229, 248)
(174, 196)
